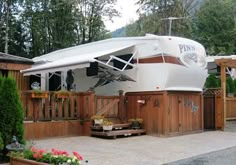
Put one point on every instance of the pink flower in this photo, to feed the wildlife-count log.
(35, 156)
(39, 154)
(78, 156)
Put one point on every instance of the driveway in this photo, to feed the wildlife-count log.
(141, 150)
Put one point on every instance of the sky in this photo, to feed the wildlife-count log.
(127, 8)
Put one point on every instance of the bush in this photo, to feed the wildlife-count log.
(230, 86)
(11, 111)
(212, 81)
(1, 142)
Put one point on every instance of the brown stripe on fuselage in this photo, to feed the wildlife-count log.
(159, 59)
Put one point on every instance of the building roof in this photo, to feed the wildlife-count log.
(14, 59)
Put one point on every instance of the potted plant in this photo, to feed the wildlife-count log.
(98, 119)
(35, 156)
(107, 125)
(38, 94)
(136, 123)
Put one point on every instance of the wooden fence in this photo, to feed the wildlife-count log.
(49, 106)
(230, 108)
(48, 114)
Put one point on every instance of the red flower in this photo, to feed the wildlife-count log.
(33, 149)
(78, 156)
(41, 151)
(40, 156)
(35, 155)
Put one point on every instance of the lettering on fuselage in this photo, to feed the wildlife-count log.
(186, 48)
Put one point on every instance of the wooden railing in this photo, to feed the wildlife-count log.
(81, 106)
(51, 107)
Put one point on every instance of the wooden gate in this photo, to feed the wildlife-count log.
(213, 112)
(184, 112)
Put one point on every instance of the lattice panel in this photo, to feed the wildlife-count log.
(212, 92)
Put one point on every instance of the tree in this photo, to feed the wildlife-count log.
(154, 14)
(11, 33)
(89, 14)
(212, 81)
(57, 24)
(11, 112)
(214, 26)
(230, 86)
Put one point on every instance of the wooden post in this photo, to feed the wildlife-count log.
(165, 114)
(121, 110)
(92, 105)
(223, 88)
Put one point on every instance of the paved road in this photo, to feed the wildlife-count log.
(222, 157)
(141, 150)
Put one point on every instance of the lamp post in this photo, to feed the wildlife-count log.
(170, 21)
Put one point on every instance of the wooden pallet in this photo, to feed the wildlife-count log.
(115, 133)
(114, 127)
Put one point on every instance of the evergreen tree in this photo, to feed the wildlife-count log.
(11, 112)
(154, 16)
(212, 81)
(215, 26)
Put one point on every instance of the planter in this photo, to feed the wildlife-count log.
(98, 121)
(20, 161)
(136, 125)
(39, 95)
(107, 127)
(62, 96)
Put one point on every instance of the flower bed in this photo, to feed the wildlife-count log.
(35, 156)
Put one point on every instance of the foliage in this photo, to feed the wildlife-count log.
(212, 81)
(153, 14)
(97, 117)
(34, 27)
(107, 123)
(53, 157)
(11, 30)
(215, 27)
(139, 120)
(11, 112)
(230, 86)
(1, 142)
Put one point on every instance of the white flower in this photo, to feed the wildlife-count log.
(68, 161)
(74, 160)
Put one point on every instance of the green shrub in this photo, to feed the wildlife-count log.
(11, 111)
(212, 81)
(230, 86)
(1, 142)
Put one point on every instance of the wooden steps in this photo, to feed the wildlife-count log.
(117, 130)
